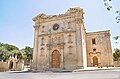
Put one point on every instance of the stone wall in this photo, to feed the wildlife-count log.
(3, 66)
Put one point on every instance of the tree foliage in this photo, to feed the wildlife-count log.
(28, 52)
(116, 54)
(7, 50)
(9, 47)
(116, 39)
(109, 7)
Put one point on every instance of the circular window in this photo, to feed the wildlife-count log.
(56, 27)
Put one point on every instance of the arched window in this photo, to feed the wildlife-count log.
(93, 41)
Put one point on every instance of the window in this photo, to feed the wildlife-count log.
(56, 27)
(93, 41)
(94, 49)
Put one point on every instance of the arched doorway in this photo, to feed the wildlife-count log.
(11, 65)
(55, 59)
(95, 61)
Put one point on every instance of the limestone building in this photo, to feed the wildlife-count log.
(60, 41)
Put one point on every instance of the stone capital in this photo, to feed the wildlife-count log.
(36, 27)
(78, 21)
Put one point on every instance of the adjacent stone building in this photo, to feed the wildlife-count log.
(60, 41)
(13, 63)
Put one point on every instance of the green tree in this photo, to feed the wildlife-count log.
(19, 53)
(7, 50)
(28, 50)
(116, 54)
(116, 39)
(4, 53)
(9, 47)
(109, 7)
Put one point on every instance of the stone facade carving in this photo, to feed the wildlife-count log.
(61, 41)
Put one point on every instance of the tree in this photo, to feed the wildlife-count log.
(116, 39)
(4, 54)
(7, 50)
(28, 50)
(109, 8)
(116, 54)
(9, 47)
(19, 53)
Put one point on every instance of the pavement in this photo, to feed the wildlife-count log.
(100, 74)
(66, 71)
(96, 69)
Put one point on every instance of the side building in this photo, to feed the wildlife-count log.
(99, 51)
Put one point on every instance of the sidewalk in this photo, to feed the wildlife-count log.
(95, 69)
(65, 71)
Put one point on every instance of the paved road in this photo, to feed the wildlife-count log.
(104, 74)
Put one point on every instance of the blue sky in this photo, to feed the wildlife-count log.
(16, 25)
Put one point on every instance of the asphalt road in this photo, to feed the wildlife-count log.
(103, 74)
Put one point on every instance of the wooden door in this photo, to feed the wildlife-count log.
(55, 59)
(11, 65)
(95, 61)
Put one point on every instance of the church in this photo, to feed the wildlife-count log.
(61, 42)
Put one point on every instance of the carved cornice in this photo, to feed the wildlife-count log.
(56, 33)
(95, 53)
(71, 13)
(106, 32)
(53, 45)
(78, 21)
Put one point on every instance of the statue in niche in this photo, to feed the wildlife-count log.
(59, 39)
(42, 52)
(42, 41)
(70, 50)
(69, 25)
(63, 29)
(49, 31)
(52, 40)
(43, 28)
(69, 38)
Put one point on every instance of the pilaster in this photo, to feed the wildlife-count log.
(35, 48)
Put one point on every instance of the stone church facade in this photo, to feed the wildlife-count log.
(60, 41)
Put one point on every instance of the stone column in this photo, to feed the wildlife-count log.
(81, 43)
(62, 56)
(109, 49)
(35, 48)
(79, 46)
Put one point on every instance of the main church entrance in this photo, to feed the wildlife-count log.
(55, 59)
(95, 61)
